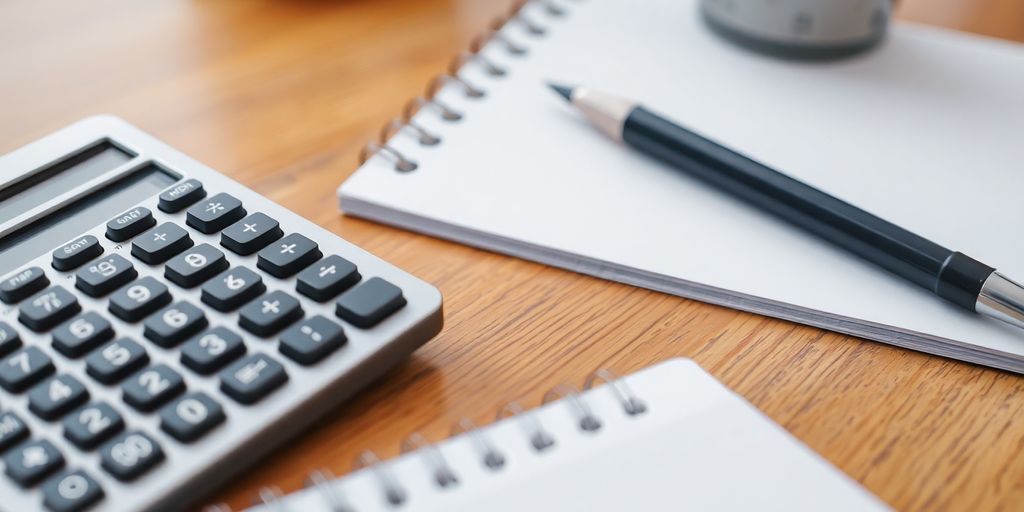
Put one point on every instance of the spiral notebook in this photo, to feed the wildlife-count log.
(670, 437)
(924, 132)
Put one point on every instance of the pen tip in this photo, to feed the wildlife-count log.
(563, 91)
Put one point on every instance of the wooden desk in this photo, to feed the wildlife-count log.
(282, 94)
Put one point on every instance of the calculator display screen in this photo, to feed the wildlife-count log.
(80, 215)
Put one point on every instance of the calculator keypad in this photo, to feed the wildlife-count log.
(73, 254)
(12, 430)
(287, 256)
(161, 243)
(91, 425)
(232, 288)
(81, 334)
(55, 396)
(130, 223)
(32, 461)
(252, 378)
(48, 308)
(251, 234)
(215, 213)
(191, 416)
(194, 266)
(9, 339)
(105, 275)
(115, 360)
(327, 278)
(369, 303)
(173, 324)
(129, 455)
(140, 298)
(269, 313)
(23, 284)
(152, 386)
(24, 367)
(211, 350)
(71, 491)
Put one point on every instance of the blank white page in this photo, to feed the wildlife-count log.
(925, 132)
(697, 447)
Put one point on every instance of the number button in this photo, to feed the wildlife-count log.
(270, 313)
(92, 424)
(252, 378)
(129, 224)
(311, 340)
(215, 213)
(32, 461)
(211, 350)
(105, 275)
(12, 430)
(18, 286)
(24, 368)
(251, 234)
(327, 278)
(232, 288)
(369, 303)
(173, 324)
(191, 416)
(56, 396)
(115, 360)
(288, 255)
(129, 455)
(138, 299)
(71, 491)
(48, 308)
(81, 334)
(76, 252)
(181, 195)
(152, 387)
(9, 339)
(161, 243)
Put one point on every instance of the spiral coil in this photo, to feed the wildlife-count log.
(493, 34)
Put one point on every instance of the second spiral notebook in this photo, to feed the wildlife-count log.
(670, 437)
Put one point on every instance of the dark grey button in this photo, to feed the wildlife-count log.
(232, 288)
(82, 334)
(23, 368)
(370, 302)
(269, 313)
(196, 265)
(152, 387)
(76, 252)
(130, 223)
(250, 234)
(48, 308)
(129, 455)
(215, 213)
(211, 350)
(26, 282)
(191, 416)
(181, 195)
(9, 339)
(161, 243)
(115, 360)
(91, 425)
(32, 461)
(53, 397)
(71, 491)
(136, 300)
(311, 340)
(105, 275)
(288, 255)
(327, 278)
(173, 324)
(12, 430)
(252, 378)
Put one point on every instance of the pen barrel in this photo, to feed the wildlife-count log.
(951, 275)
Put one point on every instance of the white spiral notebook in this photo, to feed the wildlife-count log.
(670, 437)
(924, 132)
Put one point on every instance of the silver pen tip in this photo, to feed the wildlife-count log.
(562, 90)
(1002, 299)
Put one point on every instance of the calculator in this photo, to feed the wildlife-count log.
(163, 326)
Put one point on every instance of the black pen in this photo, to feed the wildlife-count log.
(951, 275)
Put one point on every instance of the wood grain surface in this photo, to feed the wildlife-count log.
(282, 94)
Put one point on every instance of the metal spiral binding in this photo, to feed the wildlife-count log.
(492, 458)
(539, 438)
(516, 15)
(443, 474)
(393, 491)
(630, 403)
(321, 481)
(587, 421)
(271, 498)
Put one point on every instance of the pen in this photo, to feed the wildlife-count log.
(951, 275)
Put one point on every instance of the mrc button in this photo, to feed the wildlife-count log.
(130, 223)
(76, 252)
(181, 195)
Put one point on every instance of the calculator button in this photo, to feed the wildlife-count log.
(311, 340)
(129, 455)
(52, 398)
(288, 255)
(173, 324)
(30, 462)
(370, 302)
(81, 334)
(48, 308)
(71, 491)
(269, 313)
(115, 360)
(232, 288)
(91, 425)
(105, 275)
(18, 286)
(23, 368)
(151, 387)
(181, 195)
(211, 350)
(161, 243)
(192, 267)
(189, 417)
(12, 430)
(9, 339)
(130, 223)
(251, 234)
(326, 278)
(76, 252)
(138, 299)
(215, 213)
(252, 378)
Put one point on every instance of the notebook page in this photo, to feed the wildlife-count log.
(699, 446)
(923, 132)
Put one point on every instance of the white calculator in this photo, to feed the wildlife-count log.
(162, 326)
